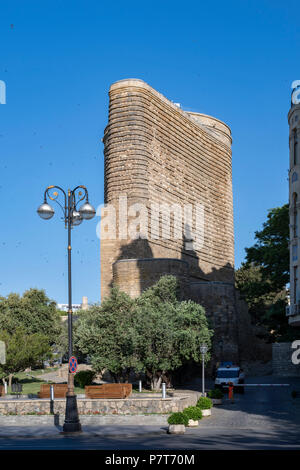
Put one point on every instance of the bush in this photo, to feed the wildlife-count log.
(83, 378)
(204, 403)
(216, 393)
(178, 418)
(193, 412)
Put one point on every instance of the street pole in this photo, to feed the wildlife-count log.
(72, 217)
(203, 376)
(203, 351)
(72, 423)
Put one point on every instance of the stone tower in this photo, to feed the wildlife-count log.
(293, 310)
(158, 156)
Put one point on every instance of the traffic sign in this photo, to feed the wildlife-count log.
(73, 365)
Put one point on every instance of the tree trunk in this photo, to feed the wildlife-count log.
(10, 377)
(156, 380)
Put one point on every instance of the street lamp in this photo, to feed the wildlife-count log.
(72, 216)
(203, 351)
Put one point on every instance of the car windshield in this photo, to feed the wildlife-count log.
(227, 374)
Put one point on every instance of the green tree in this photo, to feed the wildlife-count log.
(106, 334)
(154, 333)
(23, 350)
(271, 250)
(169, 331)
(34, 312)
(263, 277)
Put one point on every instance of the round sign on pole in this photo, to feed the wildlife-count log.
(73, 365)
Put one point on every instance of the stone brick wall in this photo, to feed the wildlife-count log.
(281, 360)
(135, 405)
(135, 275)
(218, 299)
(157, 153)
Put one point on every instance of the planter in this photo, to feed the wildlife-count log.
(217, 401)
(206, 412)
(176, 429)
(193, 423)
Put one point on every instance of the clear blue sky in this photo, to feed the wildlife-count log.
(234, 60)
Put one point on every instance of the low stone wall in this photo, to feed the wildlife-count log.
(130, 406)
(282, 360)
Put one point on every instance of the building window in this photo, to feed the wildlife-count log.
(294, 177)
(295, 148)
(295, 283)
(295, 252)
(295, 216)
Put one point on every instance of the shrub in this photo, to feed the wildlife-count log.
(204, 403)
(216, 393)
(178, 418)
(83, 378)
(193, 412)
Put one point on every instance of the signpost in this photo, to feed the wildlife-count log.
(73, 365)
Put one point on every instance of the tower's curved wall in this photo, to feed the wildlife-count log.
(157, 153)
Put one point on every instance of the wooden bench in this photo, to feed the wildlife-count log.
(108, 391)
(60, 390)
(2, 391)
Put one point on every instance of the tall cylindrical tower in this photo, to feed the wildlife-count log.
(293, 310)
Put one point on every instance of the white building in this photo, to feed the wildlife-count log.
(83, 306)
(293, 310)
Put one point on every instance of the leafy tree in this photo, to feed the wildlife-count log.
(34, 312)
(23, 350)
(155, 333)
(169, 331)
(271, 250)
(263, 277)
(106, 334)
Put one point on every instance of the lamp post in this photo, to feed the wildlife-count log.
(203, 351)
(72, 216)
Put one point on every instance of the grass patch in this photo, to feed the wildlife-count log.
(32, 385)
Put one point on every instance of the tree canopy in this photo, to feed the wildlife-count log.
(29, 326)
(34, 312)
(263, 277)
(23, 350)
(154, 334)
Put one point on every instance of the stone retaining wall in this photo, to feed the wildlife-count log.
(129, 406)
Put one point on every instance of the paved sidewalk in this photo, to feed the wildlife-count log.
(104, 431)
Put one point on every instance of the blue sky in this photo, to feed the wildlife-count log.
(234, 60)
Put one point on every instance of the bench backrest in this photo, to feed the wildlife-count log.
(123, 389)
(60, 390)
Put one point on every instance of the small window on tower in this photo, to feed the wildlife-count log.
(295, 252)
(294, 177)
(295, 148)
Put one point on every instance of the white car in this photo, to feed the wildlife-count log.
(228, 374)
